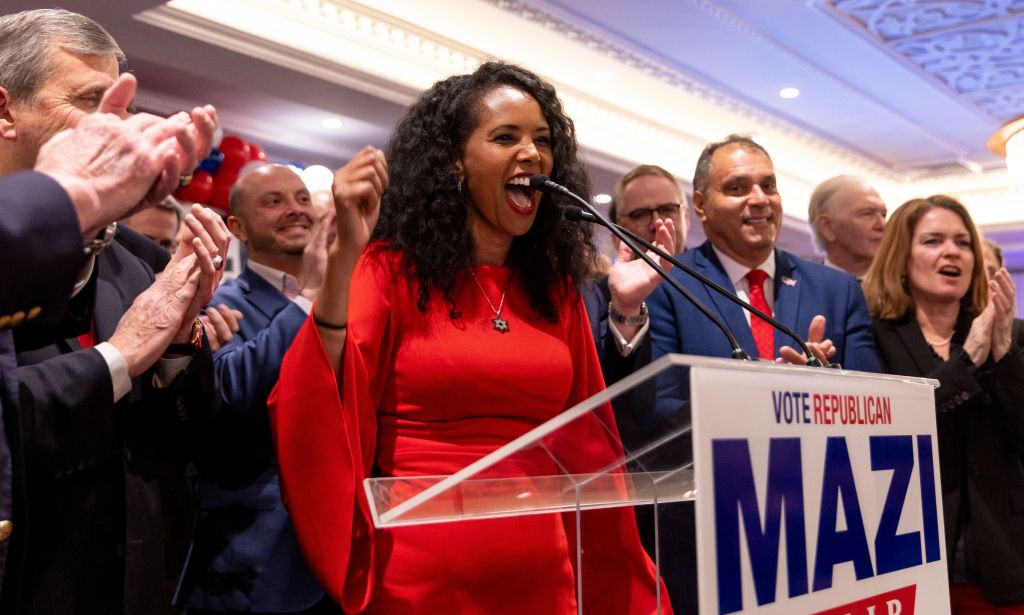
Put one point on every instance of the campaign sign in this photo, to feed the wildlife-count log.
(818, 493)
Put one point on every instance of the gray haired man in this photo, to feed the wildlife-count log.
(102, 399)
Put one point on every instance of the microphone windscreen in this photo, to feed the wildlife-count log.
(538, 181)
(577, 214)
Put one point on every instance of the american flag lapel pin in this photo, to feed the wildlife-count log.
(788, 281)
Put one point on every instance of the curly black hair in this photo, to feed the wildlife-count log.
(426, 216)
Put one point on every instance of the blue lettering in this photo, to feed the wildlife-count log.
(894, 551)
(929, 508)
(777, 403)
(788, 406)
(735, 495)
(850, 545)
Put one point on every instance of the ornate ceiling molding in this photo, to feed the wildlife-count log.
(345, 42)
(395, 56)
(675, 76)
(974, 51)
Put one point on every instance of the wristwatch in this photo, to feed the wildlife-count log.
(95, 245)
(194, 343)
(630, 321)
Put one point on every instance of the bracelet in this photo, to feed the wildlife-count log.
(630, 321)
(195, 343)
(329, 325)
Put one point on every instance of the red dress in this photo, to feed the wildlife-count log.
(425, 395)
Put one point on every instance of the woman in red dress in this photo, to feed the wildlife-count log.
(458, 329)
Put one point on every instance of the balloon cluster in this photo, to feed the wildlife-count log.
(213, 178)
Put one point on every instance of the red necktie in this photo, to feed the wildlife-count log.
(88, 339)
(764, 334)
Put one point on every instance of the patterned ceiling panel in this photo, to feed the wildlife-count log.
(975, 48)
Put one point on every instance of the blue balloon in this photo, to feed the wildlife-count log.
(211, 163)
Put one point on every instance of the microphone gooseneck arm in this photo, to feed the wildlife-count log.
(540, 182)
(586, 216)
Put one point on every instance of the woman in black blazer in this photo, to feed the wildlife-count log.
(936, 314)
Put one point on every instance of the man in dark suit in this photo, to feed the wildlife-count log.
(245, 556)
(735, 196)
(648, 201)
(40, 274)
(93, 420)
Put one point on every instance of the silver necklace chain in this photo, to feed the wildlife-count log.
(498, 323)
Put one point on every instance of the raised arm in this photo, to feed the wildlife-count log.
(357, 188)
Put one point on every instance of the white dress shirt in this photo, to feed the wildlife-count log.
(286, 283)
(737, 274)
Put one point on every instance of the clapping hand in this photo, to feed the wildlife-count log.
(630, 279)
(1003, 301)
(823, 349)
(206, 236)
(112, 164)
(314, 258)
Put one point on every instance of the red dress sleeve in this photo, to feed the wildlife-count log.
(325, 436)
(618, 576)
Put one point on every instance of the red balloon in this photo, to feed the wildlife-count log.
(256, 153)
(198, 191)
(219, 196)
(233, 144)
(236, 154)
(221, 188)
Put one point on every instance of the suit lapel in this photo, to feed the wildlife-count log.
(258, 292)
(787, 298)
(909, 333)
(707, 263)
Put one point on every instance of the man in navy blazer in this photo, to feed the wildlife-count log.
(244, 555)
(736, 199)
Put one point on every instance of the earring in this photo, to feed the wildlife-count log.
(460, 185)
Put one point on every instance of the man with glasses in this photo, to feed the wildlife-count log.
(649, 202)
(646, 194)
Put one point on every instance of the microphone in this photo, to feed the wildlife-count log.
(579, 215)
(541, 182)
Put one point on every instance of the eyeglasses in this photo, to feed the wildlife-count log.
(642, 215)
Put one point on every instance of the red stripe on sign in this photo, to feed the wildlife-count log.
(895, 602)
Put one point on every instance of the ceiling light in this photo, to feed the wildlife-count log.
(789, 92)
(602, 198)
(332, 122)
(970, 165)
(1009, 143)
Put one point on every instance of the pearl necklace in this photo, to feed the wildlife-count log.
(939, 343)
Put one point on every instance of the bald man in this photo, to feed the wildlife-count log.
(245, 556)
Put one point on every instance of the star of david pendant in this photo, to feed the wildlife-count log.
(500, 324)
